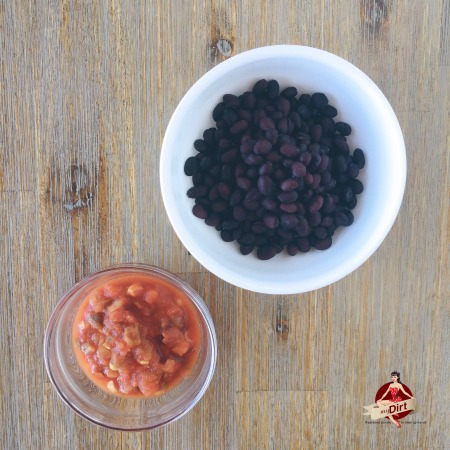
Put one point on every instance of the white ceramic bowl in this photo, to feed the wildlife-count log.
(375, 129)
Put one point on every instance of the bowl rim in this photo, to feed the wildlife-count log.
(202, 310)
(378, 233)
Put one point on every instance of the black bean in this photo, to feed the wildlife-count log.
(320, 232)
(274, 157)
(251, 205)
(259, 227)
(304, 111)
(315, 162)
(206, 162)
(343, 128)
(296, 119)
(197, 191)
(316, 132)
(357, 186)
(266, 123)
(303, 228)
(288, 221)
(273, 89)
(219, 206)
(198, 178)
(209, 135)
(352, 170)
(269, 204)
(229, 224)
(252, 194)
(289, 150)
(288, 207)
(231, 100)
(292, 249)
(283, 125)
(289, 92)
(303, 244)
(266, 252)
(260, 87)
(199, 211)
(253, 173)
(246, 249)
(253, 160)
(283, 105)
(218, 111)
(271, 135)
(289, 185)
(314, 218)
(229, 156)
(249, 100)
(324, 163)
(230, 116)
(262, 147)
(323, 244)
(305, 158)
(224, 190)
(359, 158)
(247, 146)
(305, 99)
(308, 179)
(319, 100)
(239, 213)
(342, 147)
(238, 232)
(271, 221)
(326, 221)
(266, 168)
(236, 197)
(330, 111)
(239, 127)
(298, 169)
(246, 115)
(342, 219)
(200, 145)
(340, 164)
(227, 236)
(247, 239)
(266, 185)
(213, 220)
(351, 204)
(190, 166)
(287, 197)
(203, 201)
(350, 217)
(347, 194)
(315, 203)
(213, 194)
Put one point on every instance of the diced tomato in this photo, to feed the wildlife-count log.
(170, 367)
(113, 289)
(177, 316)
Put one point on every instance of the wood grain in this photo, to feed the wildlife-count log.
(86, 92)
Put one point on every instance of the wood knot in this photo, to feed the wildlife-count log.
(79, 194)
(282, 325)
(225, 47)
(374, 13)
(222, 46)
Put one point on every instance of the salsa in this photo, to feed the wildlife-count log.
(136, 336)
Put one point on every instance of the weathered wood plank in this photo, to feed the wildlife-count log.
(86, 92)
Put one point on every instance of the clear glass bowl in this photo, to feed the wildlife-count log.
(96, 405)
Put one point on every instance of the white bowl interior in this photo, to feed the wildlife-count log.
(375, 130)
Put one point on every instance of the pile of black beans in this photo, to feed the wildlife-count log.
(276, 171)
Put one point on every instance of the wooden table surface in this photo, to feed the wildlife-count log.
(86, 91)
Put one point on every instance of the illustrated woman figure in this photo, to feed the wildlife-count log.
(394, 388)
